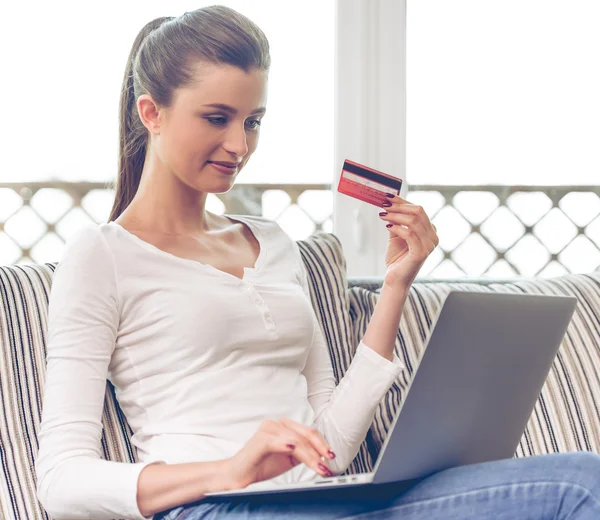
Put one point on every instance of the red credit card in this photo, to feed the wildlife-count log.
(367, 184)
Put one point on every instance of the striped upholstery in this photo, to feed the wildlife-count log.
(566, 416)
(24, 292)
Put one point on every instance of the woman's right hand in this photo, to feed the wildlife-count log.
(275, 448)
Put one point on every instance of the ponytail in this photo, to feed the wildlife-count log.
(133, 136)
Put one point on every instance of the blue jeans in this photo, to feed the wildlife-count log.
(557, 486)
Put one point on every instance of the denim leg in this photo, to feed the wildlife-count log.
(558, 487)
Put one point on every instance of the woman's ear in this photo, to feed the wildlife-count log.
(149, 113)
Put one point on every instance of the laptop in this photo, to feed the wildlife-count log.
(485, 362)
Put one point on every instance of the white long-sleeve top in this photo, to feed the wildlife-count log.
(198, 357)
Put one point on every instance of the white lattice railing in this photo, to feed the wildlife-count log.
(484, 230)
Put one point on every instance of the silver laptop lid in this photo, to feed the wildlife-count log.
(486, 360)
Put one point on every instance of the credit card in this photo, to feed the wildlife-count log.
(367, 184)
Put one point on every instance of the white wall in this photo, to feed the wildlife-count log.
(370, 118)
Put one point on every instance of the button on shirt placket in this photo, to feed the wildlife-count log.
(260, 303)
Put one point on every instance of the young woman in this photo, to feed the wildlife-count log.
(204, 325)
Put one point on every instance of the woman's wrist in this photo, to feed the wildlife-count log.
(226, 478)
(164, 486)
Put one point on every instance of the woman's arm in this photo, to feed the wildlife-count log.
(276, 447)
(73, 481)
(412, 238)
(382, 330)
(344, 413)
(163, 486)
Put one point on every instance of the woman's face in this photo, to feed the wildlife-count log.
(215, 120)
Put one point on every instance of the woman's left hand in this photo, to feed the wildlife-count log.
(412, 239)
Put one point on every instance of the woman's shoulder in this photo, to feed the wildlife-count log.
(87, 262)
(91, 242)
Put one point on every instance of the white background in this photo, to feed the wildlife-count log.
(497, 91)
(63, 63)
(503, 91)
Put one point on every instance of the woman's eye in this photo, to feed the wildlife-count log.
(217, 120)
(220, 121)
(254, 123)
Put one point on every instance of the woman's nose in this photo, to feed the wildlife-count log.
(236, 140)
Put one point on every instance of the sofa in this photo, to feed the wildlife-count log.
(566, 416)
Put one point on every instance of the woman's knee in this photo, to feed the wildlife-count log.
(586, 457)
(583, 468)
(584, 460)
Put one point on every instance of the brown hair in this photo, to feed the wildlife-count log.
(161, 60)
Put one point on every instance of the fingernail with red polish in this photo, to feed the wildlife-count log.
(331, 454)
(386, 204)
(290, 446)
(389, 225)
(390, 195)
(383, 214)
(324, 468)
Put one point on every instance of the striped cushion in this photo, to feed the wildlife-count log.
(24, 292)
(566, 416)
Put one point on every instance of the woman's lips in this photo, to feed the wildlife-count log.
(222, 168)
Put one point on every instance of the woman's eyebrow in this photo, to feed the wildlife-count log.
(232, 110)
